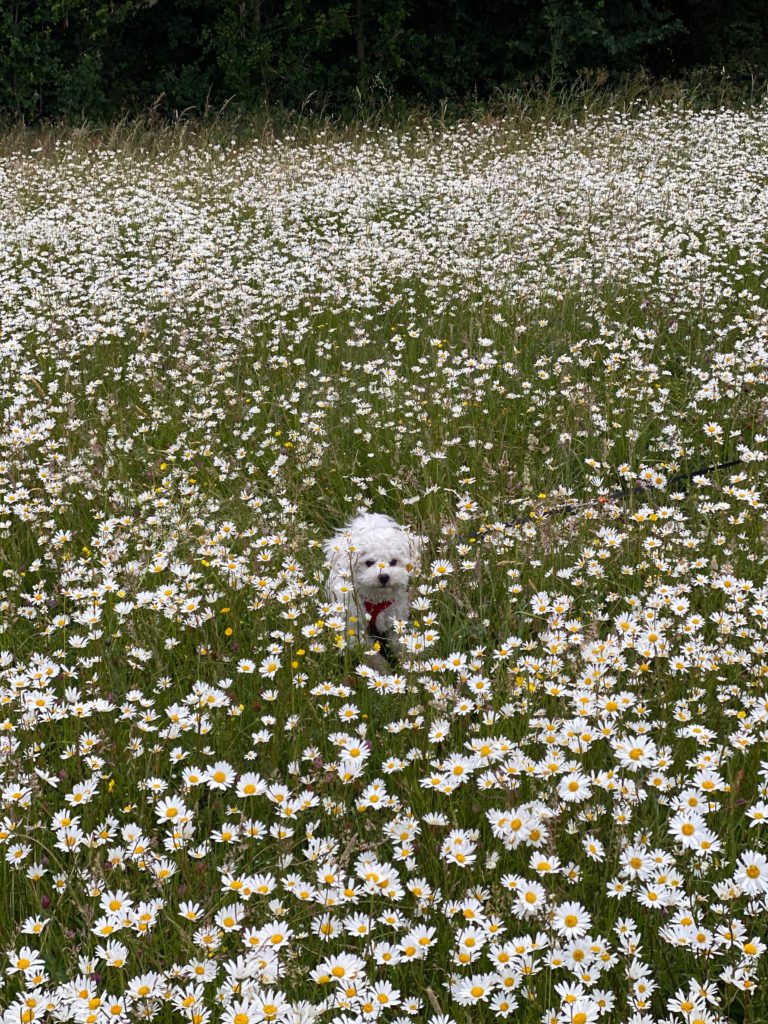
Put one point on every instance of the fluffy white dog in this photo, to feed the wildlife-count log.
(370, 565)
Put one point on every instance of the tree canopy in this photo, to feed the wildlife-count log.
(104, 58)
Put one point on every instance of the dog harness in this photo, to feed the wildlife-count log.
(374, 609)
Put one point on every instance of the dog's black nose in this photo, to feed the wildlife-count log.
(384, 578)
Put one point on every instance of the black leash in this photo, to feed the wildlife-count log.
(678, 477)
(641, 487)
(638, 487)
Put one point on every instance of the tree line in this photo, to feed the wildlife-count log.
(103, 58)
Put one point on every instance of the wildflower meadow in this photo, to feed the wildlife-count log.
(543, 348)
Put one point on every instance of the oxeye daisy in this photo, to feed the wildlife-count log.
(545, 865)
(441, 568)
(26, 959)
(574, 788)
(758, 814)
(531, 898)
(593, 848)
(686, 827)
(242, 1012)
(269, 668)
(190, 911)
(383, 995)
(751, 874)
(172, 810)
(475, 989)
(220, 775)
(571, 920)
(250, 784)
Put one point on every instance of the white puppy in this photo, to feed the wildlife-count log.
(370, 565)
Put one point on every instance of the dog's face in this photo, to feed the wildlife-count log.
(373, 559)
(382, 563)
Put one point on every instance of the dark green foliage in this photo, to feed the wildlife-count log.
(98, 59)
(731, 35)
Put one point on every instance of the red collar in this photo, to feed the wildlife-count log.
(374, 609)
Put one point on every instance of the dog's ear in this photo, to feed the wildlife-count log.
(338, 553)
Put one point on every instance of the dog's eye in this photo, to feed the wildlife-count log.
(369, 563)
(393, 562)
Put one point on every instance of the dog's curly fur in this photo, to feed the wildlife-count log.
(370, 564)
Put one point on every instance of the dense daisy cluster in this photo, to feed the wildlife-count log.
(547, 352)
